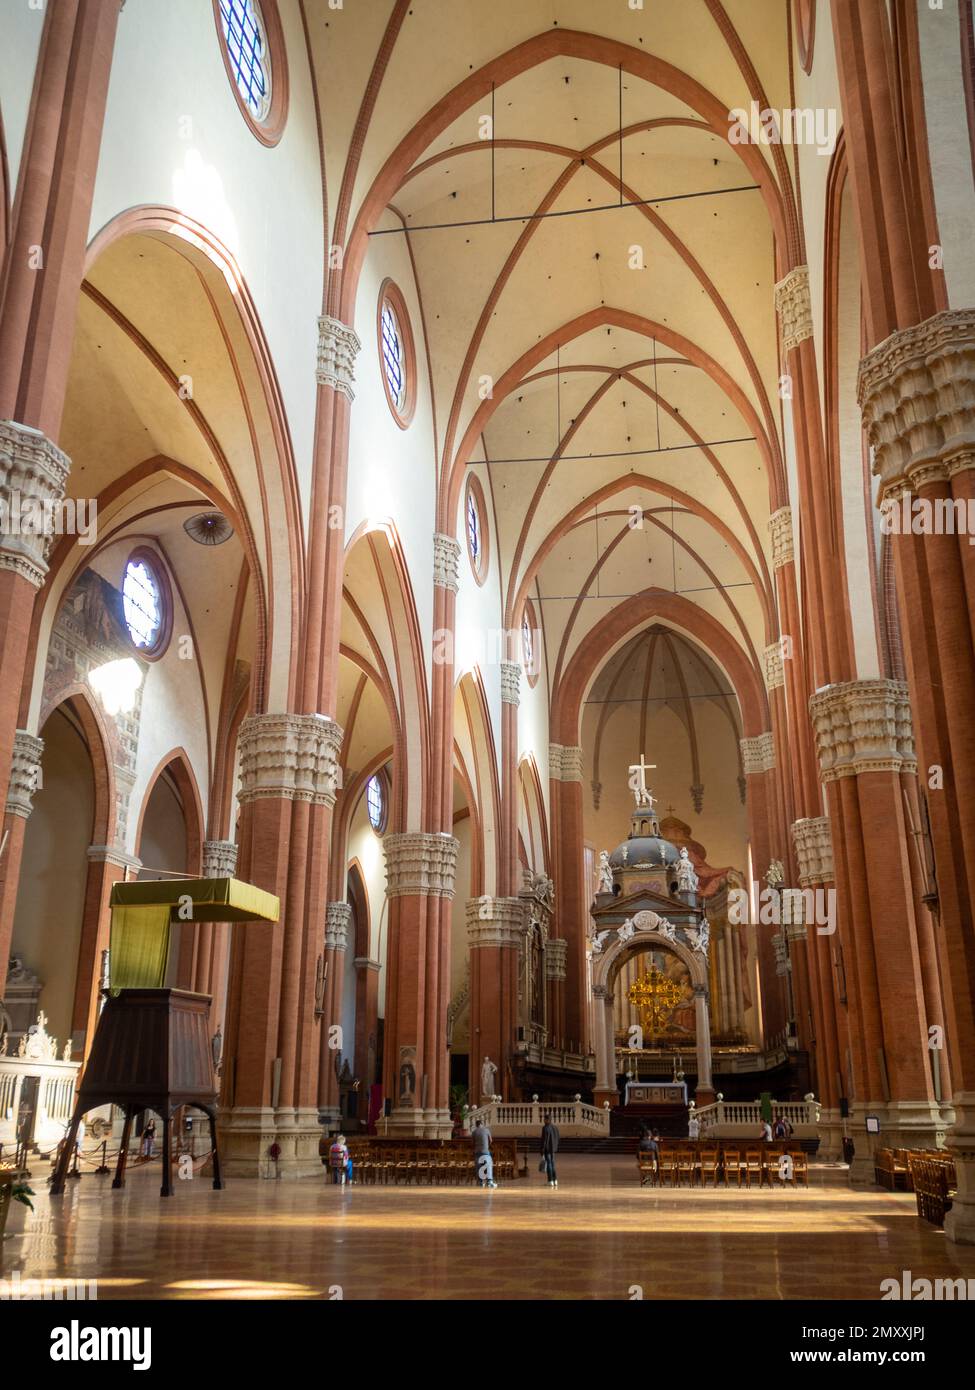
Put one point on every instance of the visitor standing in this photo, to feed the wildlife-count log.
(149, 1139)
(338, 1159)
(693, 1127)
(550, 1147)
(483, 1162)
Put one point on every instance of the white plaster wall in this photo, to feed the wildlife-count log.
(174, 136)
(948, 139)
(21, 24)
(366, 846)
(479, 620)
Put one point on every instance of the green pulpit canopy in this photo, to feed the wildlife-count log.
(142, 913)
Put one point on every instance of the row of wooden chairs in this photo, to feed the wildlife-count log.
(698, 1165)
(892, 1167)
(445, 1163)
(934, 1181)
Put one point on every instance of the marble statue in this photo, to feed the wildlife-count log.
(216, 1047)
(488, 1072)
(605, 872)
(700, 936)
(66, 1054)
(775, 874)
(687, 879)
(626, 930)
(598, 939)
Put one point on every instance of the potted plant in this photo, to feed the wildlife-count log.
(15, 1202)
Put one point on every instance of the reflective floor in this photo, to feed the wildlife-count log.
(598, 1236)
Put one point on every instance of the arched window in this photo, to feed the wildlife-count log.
(250, 64)
(146, 603)
(252, 44)
(376, 802)
(397, 356)
(475, 528)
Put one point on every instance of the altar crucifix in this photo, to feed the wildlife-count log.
(638, 781)
(656, 996)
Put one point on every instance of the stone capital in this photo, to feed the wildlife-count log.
(758, 753)
(780, 531)
(556, 948)
(293, 757)
(496, 921)
(564, 763)
(420, 862)
(813, 840)
(338, 920)
(510, 682)
(794, 307)
(33, 476)
(783, 964)
(917, 396)
(364, 963)
(338, 347)
(112, 854)
(446, 562)
(863, 726)
(25, 768)
(774, 671)
(219, 858)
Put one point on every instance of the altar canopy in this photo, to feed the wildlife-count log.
(142, 913)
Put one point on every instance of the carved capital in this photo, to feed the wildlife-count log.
(446, 562)
(813, 840)
(219, 858)
(774, 672)
(112, 854)
(290, 756)
(863, 726)
(780, 530)
(338, 347)
(338, 920)
(783, 964)
(25, 768)
(917, 395)
(556, 948)
(758, 753)
(564, 763)
(794, 308)
(33, 476)
(510, 682)
(496, 921)
(420, 862)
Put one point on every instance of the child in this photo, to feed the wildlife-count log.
(338, 1158)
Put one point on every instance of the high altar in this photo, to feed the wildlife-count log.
(652, 940)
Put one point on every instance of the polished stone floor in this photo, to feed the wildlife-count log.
(597, 1237)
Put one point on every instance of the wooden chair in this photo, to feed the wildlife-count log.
(800, 1167)
(687, 1165)
(668, 1165)
(647, 1167)
(423, 1164)
(731, 1163)
(709, 1164)
(754, 1166)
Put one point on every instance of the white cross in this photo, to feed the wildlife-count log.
(641, 791)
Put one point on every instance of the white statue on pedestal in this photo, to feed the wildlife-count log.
(488, 1072)
(605, 872)
(687, 879)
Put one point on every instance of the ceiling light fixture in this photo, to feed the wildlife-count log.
(208, 528)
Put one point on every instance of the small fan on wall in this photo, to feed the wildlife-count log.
(208, 528)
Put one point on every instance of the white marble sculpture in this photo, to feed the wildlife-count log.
(605, 872)
(687, 879)
(488, 1072)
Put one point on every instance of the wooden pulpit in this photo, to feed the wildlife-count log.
(152, 1047)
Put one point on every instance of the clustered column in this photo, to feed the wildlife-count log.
(495, 933)
(574, 894)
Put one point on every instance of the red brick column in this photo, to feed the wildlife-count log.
(366, 1027)
(107, 865)
(284, 759)
(334, 1046)
(495, 929)
(763, 804)
(420, 871)
(573, 894)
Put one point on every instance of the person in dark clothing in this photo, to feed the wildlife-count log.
(550, 1147)
(648, 1145)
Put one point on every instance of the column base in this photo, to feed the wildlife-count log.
(602, 1094)
(704, 1095)
(904, 1124)
(246, 1134)
(414, 1123)
(830, 1136)
(960, 1221)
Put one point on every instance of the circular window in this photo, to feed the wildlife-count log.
(376, 802)
(530, 645)
(250, 32)
(397, 356)
(475, 529)
(146, 603)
